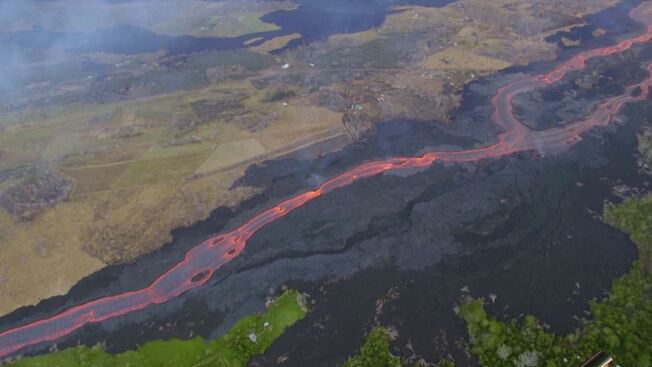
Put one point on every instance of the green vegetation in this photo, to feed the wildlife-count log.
(234, 349)
(251, 23)
(645, 145)
(621, 325)
(384, 53)
(374, 352)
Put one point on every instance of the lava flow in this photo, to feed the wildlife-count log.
(204, 259)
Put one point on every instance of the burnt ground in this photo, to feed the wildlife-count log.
(519, 227)
(578, 94)
(543, 253)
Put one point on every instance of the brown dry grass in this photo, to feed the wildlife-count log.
(130, 193)
(462, 59)
(43, 258)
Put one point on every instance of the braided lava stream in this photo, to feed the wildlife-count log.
(203, 260)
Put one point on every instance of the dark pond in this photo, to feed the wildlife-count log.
(314, 20)
(613, 20)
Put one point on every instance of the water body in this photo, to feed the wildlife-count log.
(314, 20)
(612, 21)
(123, 39)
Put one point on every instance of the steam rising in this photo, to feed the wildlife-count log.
(37, 37)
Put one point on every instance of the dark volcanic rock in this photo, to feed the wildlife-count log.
(127, 131)
(102, 117)
(357, 124)
(577, 96)
(14, 173)
(44, 188)
(182, 121)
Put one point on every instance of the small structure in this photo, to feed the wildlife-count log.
(600, 359)
(252, 337)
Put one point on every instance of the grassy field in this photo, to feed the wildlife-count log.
(95, 178)
(460, 59)
(143, 176)
(230, 154)
(234, 349)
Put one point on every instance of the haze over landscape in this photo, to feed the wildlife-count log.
(306, 183)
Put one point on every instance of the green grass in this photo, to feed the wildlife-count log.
(251, 23)
(374, 352)
(234, 349)
(24, 146)
(230, 154)
(168, 152)
(93, 179)
(621, 325)
(163, 164)
(645, 146)
(227, 25)
(151, 171)
(376, 54)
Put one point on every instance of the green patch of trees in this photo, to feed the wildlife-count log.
(375, 351)
(279, 95)
(621, 325)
